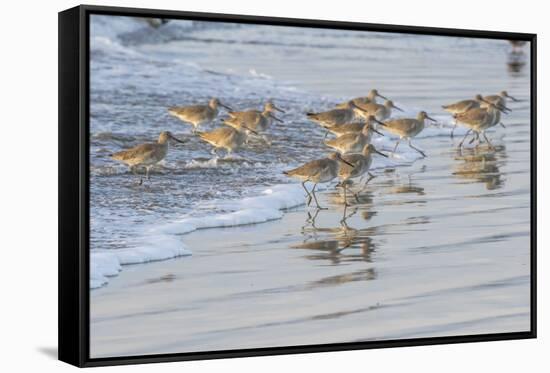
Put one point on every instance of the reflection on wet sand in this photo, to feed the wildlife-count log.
(350, 243)
(481, 165)
(339, 244)
(516, 63)
(404, 185)
(517, 59)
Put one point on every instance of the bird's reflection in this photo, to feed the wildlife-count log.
(406, 186)
(339, 244)
(517, 58)
(358, 194)
(481, 165)
(516, 63)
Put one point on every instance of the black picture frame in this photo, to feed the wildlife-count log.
(74, 178)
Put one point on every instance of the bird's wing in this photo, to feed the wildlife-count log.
(472, 115)
(370, 107)
(402, 125)
(305, 169)
(140, 151)
(216, 134)
(189, 110)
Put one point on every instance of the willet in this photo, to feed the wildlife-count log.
(227, 138)
(256, 120)
(145, 155)
(197, 115)
(318, 171)
(478, 120)
(335, 116)
(355, 127)
(499, 100)
(361, 165)
(354, 142)
(380, 112)
(462, 107)
(371, 97)
(407, 128)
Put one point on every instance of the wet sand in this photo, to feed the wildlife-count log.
(408, 261)
(438, 248)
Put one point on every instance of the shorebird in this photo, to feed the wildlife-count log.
(227, 138)
(361, 165)
(197, 115)
(499, 100)
(256, 120)
(335, 116)
(478, 120)
(318, 171)
(371, 97)
(354, 142)
(407, 128)
(145, 155)
(380, 112)
(461, 107)
(355, 127)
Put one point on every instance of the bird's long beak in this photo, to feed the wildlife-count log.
(430, 118)
(379, 122)
(382, 154)
(278, 109)
(512, 98)
(499, 108)
(251, 130)
(178, 140)
(344, 161)
(274, 117)
(379, 95)
(357, 107)
(397, 108)
(225, 106)
(503, 108)
(375, 130)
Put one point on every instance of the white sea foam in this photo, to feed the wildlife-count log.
(151, 247)
(160, 242)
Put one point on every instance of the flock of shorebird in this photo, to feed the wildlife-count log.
(352, 122)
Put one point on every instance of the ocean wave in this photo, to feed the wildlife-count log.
(162, 241)
(108, 263)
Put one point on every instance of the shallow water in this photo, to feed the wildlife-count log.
(436, 246)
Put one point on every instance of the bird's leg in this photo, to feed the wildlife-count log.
(418, 150)
(266, 140)
(464, 138)
(315, 198)
(135, 172)
(343, 221)
(345, 185)
(395, 148)
(307, 191)
(371, 176)
(488, 142)
(147, 173)
(453, 130)
(476, 137)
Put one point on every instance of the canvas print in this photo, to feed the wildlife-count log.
(259, 186)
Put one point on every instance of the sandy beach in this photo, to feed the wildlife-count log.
(383, 273)
(435, 246)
